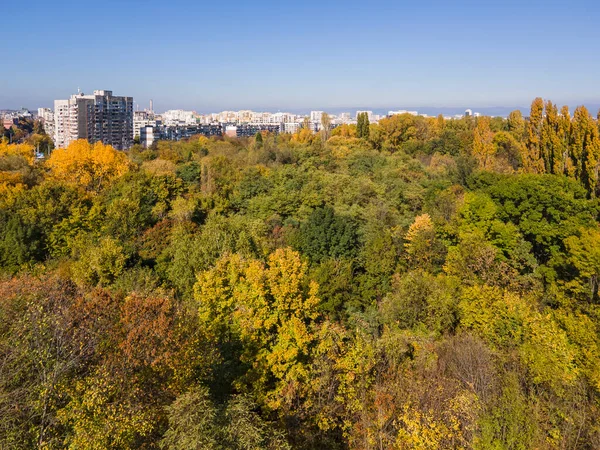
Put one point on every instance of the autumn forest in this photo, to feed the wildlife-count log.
(419, 283)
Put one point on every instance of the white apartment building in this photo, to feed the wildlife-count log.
(402, 111)
(46, 115)
(100, 117)
(316, 116)
(345, 117)
(179, 117)
(148, 135)
(282, 117)
(143, 119)
(291, 127)
(245, 115)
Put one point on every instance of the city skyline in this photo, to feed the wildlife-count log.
(490, 110)
(303, 56)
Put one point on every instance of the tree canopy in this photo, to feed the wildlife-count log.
(416, 283)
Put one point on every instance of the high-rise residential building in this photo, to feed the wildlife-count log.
(100, 117)
(46, 116)
(345, 117)
(316, 116)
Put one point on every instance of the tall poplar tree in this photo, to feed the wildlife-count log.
(362, 125)
(483, 142)
(586, 149)
(564, 137)
(532, 161)
(549, 141)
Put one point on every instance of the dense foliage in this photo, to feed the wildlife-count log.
(413, 284)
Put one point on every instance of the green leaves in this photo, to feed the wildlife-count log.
(326, 234)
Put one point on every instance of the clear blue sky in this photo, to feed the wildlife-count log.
(302, 55)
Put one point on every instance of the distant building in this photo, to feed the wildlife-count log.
(345, 117)
(250, 129)
(231, 130)
(468, 113)
(291, 127)
(46, 116)
(177, 133)
(100, 117)
(149, 135)
(316, 116)
(403, 111)
(180, 117)
(8, 122)
(369, 114)
(144, 119)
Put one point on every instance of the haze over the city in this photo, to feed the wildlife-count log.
(302, 55)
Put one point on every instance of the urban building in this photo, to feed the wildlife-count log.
(46, 116)
(345, 117)
(291, 127)
(369, 114)
(177, 133)
(100, 117)
(8, 122)
(179, 117)
(149, 135)
(250, 129)
(403, 111)
(231, 130)
(316, 116)
(144, 119)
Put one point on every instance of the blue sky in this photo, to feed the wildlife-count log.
(301, 55)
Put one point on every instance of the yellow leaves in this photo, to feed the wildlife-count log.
(19, 150)
(420, 431)
(91, 166)
(271, 310)
(496, 315)
(548, 353)
(15, 162)
(421, 246)
(507, 320)
(483, 142)
(97, 420)
(421, 226)
(445, 428)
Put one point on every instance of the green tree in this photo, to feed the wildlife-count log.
(325, 234)
(258, 140)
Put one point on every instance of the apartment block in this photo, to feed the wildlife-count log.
(46, 116)
(100, 117)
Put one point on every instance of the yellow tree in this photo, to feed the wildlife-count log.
(483, 143)
(532, 161)
(550, 141)
(516, 124)
(21, 150)
(422, 248)
(271, 310)
(563, 165)
(91, 166)
(15, 162)
(585, 149)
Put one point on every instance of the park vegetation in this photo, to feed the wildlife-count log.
(418, 283)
